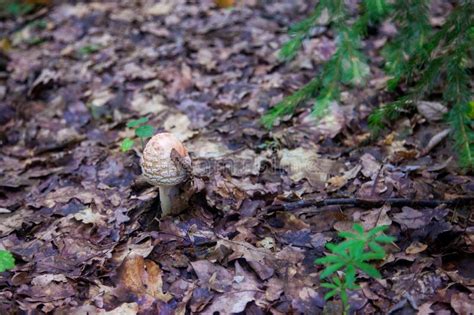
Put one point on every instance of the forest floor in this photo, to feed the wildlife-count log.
(85, 229)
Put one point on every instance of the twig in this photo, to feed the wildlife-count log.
(370, 203)
(376, 180)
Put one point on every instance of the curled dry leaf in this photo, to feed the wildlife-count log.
(142, 277)
(435, 140)
(416, 248)
(336, 182)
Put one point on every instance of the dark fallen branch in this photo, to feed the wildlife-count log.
(371, 203)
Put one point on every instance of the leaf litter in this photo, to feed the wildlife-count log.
(85, 230)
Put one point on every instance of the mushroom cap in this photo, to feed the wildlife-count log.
(157, 165)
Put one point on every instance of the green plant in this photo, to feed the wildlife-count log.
(15, 8)
(142, 131)
(87, 50)
(7, 261)
(351, 255)
(418, 60)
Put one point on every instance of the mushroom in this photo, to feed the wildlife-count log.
(160, 169)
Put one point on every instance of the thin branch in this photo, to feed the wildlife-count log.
(371, 203)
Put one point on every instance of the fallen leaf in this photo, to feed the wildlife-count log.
(411, 218)
(259, 259)
(328, 126)
(148, 104)
(87, 216)
(462, 303)
(142, 277)
(376, 217)
(432, 111)
(230, 303)
(11, 221)
(160, 8)
(416, 248)
(370, 166)
(213, 276)
(179, 125)
(435, 140)
(425, 309)
(337, 182)
(303, 163)
(46, 279)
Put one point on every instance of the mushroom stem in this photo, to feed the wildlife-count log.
(167, 194)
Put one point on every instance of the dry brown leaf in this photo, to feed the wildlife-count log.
(376, 217)
(144, 104)
(142, 277)
(179, 125)
(432, 111)
(305, 163)
(425, 309)
(435, 140)
(89, 216)
(336, 182)
(161, 8)
(462, 303)
(370, 166)
(416, 248)
(329, 126)
(259, 259)
(11, 221)
(230, 303)
(131, 249)
(411, 218)
(213, 276)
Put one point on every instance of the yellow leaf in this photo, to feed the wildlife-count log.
(5, 45)
(224, 3)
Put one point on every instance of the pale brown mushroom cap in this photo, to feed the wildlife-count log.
(157, 165)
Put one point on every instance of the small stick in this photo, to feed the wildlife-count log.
(376, 180)
(370, 203)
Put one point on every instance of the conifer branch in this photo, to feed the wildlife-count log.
(420, 56)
